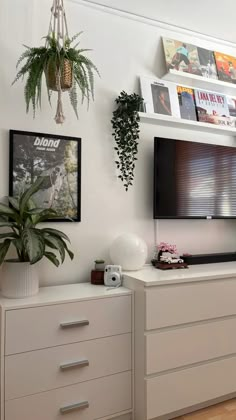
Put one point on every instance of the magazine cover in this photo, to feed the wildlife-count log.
(212, 107)
(226, 67)
(181, 56)
(232, 109)
(207, 63)
(159, 97)
(186, 103)
(57, 158)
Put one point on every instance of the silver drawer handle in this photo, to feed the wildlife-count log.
(74, 407)
(72, 324)
(71, 365)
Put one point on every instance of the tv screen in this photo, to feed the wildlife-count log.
(194, 180)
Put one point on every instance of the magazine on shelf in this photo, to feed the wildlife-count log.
(186, 103)
(160, 97)
(212, 107)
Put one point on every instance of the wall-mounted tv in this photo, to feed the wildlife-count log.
(194, 180)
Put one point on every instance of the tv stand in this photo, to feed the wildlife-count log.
(184, 339)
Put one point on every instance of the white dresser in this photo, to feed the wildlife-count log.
(66, 354)
(185, 338)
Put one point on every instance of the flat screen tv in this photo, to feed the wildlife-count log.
(194, 180)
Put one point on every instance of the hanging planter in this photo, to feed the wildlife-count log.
(66, 77)
(125, 124)
(65, 66)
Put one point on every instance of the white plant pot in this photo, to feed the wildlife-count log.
(19, 280)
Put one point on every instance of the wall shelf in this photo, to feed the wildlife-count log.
(167, 121)
(200, 82)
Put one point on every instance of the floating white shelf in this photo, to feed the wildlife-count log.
(200, 82)
(167, 121)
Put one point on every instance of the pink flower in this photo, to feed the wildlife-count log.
(165, 247)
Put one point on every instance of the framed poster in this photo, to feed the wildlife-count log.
(58, 159)
(160, 97)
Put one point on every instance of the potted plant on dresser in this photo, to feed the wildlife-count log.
(21, 216)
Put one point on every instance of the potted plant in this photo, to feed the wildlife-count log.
(31, 243)
(65, 67)
(99, 265)
(125, 124)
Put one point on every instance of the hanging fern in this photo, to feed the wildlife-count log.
(125, 124)
(38, 60)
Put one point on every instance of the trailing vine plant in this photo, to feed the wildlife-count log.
(125, 124)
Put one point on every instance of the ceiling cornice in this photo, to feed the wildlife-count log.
(151, 22)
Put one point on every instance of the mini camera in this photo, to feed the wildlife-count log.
(113, 275)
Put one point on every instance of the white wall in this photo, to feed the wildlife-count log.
(123, 49)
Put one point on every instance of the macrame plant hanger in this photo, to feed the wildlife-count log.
(58, 28)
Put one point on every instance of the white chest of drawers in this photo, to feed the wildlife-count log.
(66, 354)
(185, 341)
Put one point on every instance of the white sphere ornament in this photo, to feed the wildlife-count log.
(129, 251)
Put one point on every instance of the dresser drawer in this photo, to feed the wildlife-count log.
(60, 366)
(47, 326)
(167, 350)
(183, 303)
(175, 391)
(105, 396)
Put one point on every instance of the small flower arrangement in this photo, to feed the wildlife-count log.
(165, 247)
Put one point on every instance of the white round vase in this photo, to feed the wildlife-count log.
(19, 280)
(129, 251)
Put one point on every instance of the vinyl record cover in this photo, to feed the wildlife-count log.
(207, 63)
(231, 101)
(160, 97)
(181, 56)
(226, 67)
(186, 103)
(212, 107)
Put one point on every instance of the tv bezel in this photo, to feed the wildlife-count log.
(155, 217)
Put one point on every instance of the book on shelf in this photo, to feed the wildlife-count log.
(187, 103)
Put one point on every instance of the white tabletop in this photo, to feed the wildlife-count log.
(63, 294)
(150, 276)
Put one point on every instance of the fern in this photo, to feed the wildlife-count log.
(33, 62)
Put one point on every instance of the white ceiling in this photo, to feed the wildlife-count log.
(216, 18)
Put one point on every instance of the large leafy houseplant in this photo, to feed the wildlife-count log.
(65, 67)
(30, 242)
(125, 124)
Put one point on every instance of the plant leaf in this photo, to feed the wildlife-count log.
(56, 243)
(28, 194)
(8, 235)
(52, 257)
(7, 211)
(14, 202)
(56, 232)
(70, 253)
(7, 224)
(4, 249)
(34, 245)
